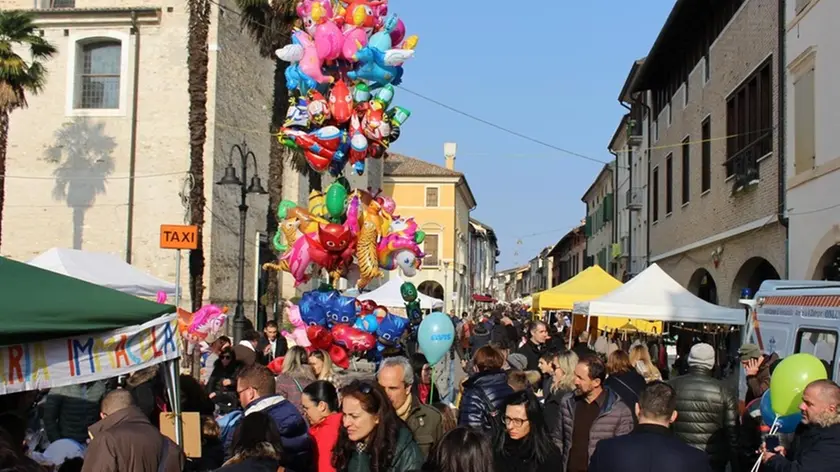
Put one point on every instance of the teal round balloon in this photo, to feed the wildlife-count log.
(435, 336)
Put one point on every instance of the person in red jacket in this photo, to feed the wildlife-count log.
(320, 405)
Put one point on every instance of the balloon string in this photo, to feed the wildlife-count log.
(432, 386)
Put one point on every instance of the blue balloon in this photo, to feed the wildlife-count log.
(436, 335)
(787, 424)
(367, 323)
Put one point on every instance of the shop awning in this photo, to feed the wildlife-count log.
(587, 285)
(483, 298)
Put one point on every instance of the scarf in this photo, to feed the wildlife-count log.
(423, 391)
(404, 410)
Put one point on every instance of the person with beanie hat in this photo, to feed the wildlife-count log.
(707, 410)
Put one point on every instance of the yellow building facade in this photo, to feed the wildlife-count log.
(440, 200)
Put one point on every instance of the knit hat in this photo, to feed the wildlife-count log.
(749, 351)
(517, 361)
(702, 355)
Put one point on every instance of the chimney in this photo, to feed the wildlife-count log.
(449, 150)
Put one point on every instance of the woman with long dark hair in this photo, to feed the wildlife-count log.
(372, 437)
(461, 450)
(526, 444)
(223, 379)
(320, 406)
(256, 446)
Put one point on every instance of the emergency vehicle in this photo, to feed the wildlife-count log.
(789, 317)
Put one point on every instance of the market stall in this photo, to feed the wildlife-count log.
(103, 269)
(592, 283)
(59, 330)
(654, 295)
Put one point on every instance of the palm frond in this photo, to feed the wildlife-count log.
(17, 78)
(268, 23)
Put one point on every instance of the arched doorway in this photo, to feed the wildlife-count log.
(755, 271)
(432, 289)
(828, 268)
(703, 285)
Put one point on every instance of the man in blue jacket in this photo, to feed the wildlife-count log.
(651, 445)
(257, 392)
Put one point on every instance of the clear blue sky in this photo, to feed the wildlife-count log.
(549, 70)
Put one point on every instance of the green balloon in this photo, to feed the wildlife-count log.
(336, 199)
(283, 209)
(789, 380)
(419, 237)
(408, 292)
(277, 241)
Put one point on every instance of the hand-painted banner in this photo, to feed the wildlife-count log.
(87, 357)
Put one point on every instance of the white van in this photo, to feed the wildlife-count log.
(797, 316)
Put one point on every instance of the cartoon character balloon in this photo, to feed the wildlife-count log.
(346, 56)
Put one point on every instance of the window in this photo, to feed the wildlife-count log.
(820, 343)
(707, 68)
(749, 123)
(432, 196)
(430, 248)
(706, 155)
(655, 194)
(685, 94)
(670, 112)
(805, 153)
(62, 4)
(98, 84)
(669, 184)
(655, 130)
(686, 171)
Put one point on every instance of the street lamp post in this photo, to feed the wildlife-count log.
(231, 179)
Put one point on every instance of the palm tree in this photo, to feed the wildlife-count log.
(197, 60)
(17, 77)
(270, 25)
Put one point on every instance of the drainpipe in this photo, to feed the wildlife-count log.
(780, 130)
(647, 190)
(132, 156)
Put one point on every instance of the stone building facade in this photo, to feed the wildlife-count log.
(714, 197)
(70, 152)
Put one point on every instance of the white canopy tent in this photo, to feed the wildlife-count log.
(388, 295)
(103, 269)
(654, 295)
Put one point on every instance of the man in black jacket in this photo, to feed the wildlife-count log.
(532, 350)
(708, 410)
(651, 445)
(272, 345)
(816, 446)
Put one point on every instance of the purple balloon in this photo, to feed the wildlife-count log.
(398, 33)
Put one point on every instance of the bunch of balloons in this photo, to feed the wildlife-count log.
(338, 325)
(342, 228)
(345, 59)
(196, 327)
(780, 404)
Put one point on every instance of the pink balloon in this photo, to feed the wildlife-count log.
(398, 33)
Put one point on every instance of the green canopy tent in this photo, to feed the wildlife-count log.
(40, 305)
(37, 304)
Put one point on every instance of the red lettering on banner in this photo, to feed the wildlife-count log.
(120, 351)
(15, 356)
(70, 358)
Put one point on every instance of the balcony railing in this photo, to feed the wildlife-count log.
(59, 4)
(743, 165)
(634, 132)
(635, 197)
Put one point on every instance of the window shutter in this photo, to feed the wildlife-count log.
(804, 120)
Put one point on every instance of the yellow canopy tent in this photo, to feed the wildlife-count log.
(592, 283)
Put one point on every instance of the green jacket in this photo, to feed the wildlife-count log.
(70, 410)
(426, 425)
(406, 458)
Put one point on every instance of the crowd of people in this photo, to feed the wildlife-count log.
(510, 397)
